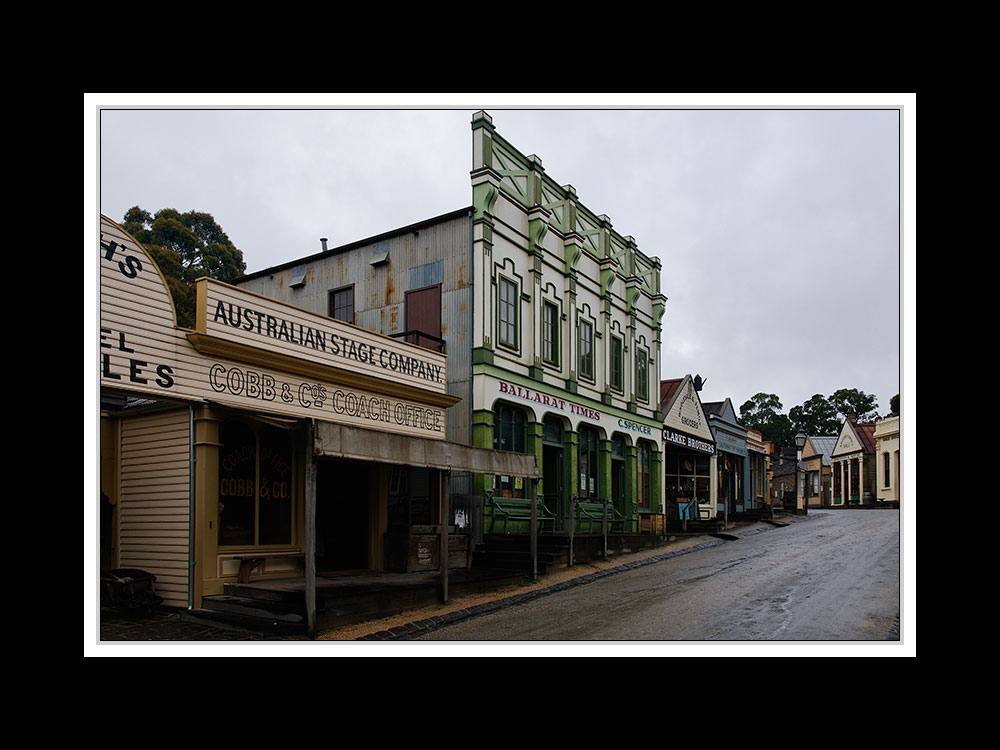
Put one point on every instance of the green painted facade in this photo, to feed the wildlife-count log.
(567, 328)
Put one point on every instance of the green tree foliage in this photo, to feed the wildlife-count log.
(817, 416)
(763, 412)
(894, 406)
(851, 400)
(185, 246)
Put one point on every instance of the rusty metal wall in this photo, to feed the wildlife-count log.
(382, 270)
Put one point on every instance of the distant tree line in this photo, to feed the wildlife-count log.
(820, 415)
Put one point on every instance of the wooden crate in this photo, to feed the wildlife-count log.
(652, 523)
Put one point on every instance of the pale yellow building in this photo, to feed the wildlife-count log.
(887, 466)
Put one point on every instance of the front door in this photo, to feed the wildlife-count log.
(552, 479)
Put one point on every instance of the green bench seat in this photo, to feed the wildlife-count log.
(590, 513)
(516, 509)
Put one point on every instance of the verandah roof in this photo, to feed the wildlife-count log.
(358, 443)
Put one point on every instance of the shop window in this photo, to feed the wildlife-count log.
(342, 304)
(507, 333)
(586, 350)
(550, 333)
(510, 433)
(255, 485)
(590, 483)
(644, 463)
(617, 363)
(886, 478)
(641, 374)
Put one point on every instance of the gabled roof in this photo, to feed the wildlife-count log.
(866, 433)
(667, 390)
(863, 431)
(713, 407)
(682, 411)
(823, 446)
(723, 410)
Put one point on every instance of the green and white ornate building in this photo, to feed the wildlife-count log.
(566, 340)
(550, 320)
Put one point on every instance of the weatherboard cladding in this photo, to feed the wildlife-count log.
(154, 500)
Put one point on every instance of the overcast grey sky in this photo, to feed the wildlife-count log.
(778, 229)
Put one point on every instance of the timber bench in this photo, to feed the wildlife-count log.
(250, 560)
(516, 509)
(589, 513)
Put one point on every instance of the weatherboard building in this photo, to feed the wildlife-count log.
(549, 320)
(688, 452)
(266, 442)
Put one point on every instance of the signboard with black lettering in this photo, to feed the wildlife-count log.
(275, 358)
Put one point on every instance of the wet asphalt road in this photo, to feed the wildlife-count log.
(832, 577)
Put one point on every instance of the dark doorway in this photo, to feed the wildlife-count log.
(552, 479)
(553, 483)
(730, 482)
(343, 493)
(618, 474)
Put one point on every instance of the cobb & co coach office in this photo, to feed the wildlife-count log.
(267, 441)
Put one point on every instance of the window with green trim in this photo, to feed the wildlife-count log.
(641, 374)
(590, 480)
(550, 333)
(644, 464)
(617, 362)
(507, 332)
(510, 433)
(586, 353)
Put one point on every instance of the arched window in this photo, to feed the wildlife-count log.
(509, 429)
(255, 485)
(590, 481)
(644, 463)
(552, 431)
(510, 433)
(618, 472)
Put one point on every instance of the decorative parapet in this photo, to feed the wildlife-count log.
(498, 167)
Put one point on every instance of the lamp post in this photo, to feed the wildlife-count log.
(800, 443)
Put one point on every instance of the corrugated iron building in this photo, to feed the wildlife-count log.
(550, 320)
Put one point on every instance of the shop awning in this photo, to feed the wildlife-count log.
(360, 444)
